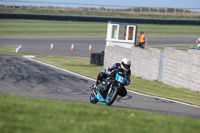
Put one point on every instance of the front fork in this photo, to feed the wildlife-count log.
(114, 84)
(93, 89)
(110, 89)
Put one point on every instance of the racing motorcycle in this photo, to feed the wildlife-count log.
(108, 89)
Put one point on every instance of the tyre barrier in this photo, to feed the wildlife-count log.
(99, 19)
(97, 58)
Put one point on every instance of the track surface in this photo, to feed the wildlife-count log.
(21, 76)
(62, 45)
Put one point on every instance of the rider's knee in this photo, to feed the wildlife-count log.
(122, 92)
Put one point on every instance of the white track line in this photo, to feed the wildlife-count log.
(164, 99)
(31, 58)
(17, 49)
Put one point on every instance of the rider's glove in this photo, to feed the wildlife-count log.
(108, 72)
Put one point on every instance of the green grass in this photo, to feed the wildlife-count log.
(34, 115)
(82, 66)
(168, 30)
(39, 28)
(8, 49)
(42, 28)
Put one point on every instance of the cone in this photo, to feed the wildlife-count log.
(90, 47)
(72, 47)
(51, 46)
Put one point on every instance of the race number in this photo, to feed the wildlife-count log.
(120, 79)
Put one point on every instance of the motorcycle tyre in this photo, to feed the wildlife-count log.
(113, 97)
(94, 100)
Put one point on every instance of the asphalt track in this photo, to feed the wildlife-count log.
(21, 76)
(25, 77)
(62, 45)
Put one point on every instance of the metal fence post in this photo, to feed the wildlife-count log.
(64, 6)
(13, 4)
(174, 11)
(21, 4)
(47, 6)
(6, 4)
(81, 7)
(38, 5)
(146, 43)
(160, 70)
(89, 8)
(30, 3)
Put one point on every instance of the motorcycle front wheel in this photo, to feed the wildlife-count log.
(93, 99)
(112, 95)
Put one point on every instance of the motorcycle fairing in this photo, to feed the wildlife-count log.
(99, 97)
(104, 86)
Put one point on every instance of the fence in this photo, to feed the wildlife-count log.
(96, 8)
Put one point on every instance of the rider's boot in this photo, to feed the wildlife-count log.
(94, 86)
(91, 86)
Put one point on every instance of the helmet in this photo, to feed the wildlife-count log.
(126, 64)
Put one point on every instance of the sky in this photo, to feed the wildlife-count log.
(130, 3)
(136, 3)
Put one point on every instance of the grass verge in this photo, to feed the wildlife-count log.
(82, 66)
(42, 28)
(33, 115)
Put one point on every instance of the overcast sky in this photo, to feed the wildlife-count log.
(137, 3)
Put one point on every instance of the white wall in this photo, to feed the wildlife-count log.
(181, 68)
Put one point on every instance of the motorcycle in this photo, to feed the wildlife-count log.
(109, 88)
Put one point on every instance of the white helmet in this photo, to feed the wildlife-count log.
(126, 64)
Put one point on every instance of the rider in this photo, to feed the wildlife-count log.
(125, 64)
